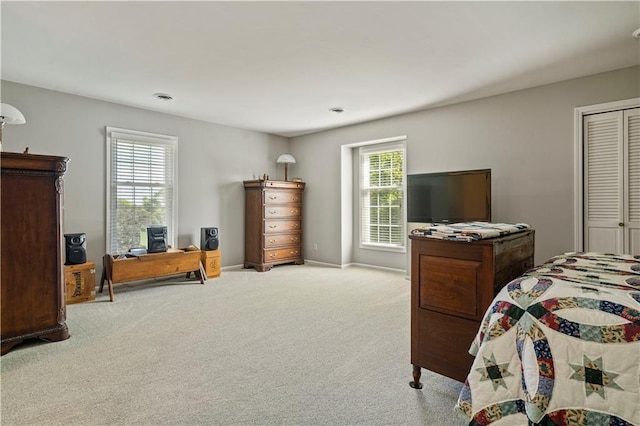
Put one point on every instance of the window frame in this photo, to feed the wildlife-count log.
(111, 135)
(398, 144)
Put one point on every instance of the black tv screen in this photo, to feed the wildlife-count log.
(449, 197)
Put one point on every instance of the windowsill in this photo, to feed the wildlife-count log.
(381, 247)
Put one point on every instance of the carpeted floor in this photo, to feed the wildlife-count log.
(298, 345)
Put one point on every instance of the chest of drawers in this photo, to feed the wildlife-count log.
(452, 285)
(273, 223)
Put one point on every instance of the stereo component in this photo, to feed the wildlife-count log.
(156, 239)
(75, 248)
(209, 239)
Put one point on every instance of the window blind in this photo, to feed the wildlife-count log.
(382, 180)
(141, 188)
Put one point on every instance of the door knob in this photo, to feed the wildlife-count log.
(621, 224)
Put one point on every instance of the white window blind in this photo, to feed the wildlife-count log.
(141, 187)
(382, 178)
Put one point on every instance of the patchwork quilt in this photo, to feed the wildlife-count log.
(560, 345)
(470, 231)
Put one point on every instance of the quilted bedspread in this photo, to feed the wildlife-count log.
(560, 345)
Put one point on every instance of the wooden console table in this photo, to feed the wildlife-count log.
(151, 265)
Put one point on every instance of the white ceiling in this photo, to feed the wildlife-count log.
(278, 67)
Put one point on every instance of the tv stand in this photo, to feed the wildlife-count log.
(452, 285)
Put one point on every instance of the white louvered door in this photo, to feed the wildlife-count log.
(612, 181)
(603, 182)
(632, 180)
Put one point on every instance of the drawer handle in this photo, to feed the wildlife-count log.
(294, 252)
(273, 255)
(294, 225)
(272, 241)
(293, 239)
(273, 211)
(273, 226)
(273, 197)
(294, 211)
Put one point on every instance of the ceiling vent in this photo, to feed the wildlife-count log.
(163, 96)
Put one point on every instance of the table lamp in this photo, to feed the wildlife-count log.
(286, 159)
(10, 115)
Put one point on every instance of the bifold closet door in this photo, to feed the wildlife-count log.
(612, 181)
(632, 182)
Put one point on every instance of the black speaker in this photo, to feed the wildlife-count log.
(75, 248)
(156, 239)
(209, 239)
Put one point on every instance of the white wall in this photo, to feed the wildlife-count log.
(525, 137)
(213, 160)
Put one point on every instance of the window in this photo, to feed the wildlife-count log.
(141, 187)
(382, 202)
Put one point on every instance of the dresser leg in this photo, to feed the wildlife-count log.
(7, 346)
(60, 333)
(416, 378)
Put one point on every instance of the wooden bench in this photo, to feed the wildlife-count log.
(152, 265)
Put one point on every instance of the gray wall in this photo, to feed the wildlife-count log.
(213, 160)
(525, 137)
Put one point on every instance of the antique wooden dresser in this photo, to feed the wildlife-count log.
(32, 278)
(273, 223)
(452, 285)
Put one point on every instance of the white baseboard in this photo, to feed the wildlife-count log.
(316, 263)
(347, 265)
(329, 265)
(364, 265)
(232, 267)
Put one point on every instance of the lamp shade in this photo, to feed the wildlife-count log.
(11, 115)
(286, 159)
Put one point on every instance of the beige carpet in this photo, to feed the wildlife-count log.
(298, 345)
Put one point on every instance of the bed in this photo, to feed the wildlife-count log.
(560, 345)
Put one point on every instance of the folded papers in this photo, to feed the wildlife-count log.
(470, 231)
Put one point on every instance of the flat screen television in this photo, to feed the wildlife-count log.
(449, 197)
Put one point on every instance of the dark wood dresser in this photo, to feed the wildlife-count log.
(452, 285)
(32, 276)
(273, 223)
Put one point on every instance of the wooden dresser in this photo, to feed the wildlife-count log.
(452, 285)
(32, 241)
(273, 223)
